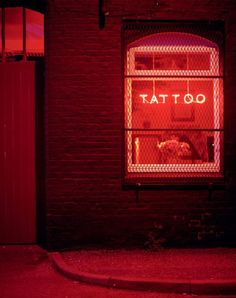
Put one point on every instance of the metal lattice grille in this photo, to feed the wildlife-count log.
(173, 106)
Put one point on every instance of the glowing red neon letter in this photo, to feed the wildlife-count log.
(175, 97)
(188, 98)
(163, 97)
(154, 99)
(202, 100)
(144, 98)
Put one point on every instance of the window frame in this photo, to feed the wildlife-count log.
(196, 28)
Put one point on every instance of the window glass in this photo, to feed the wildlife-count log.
(34, 32)
(173, 107)
(13, 30)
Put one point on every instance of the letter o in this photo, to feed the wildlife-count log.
(188, 98)
(200, 100)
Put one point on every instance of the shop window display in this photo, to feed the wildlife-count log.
(173, 107)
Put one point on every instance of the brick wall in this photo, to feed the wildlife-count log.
(86, 204)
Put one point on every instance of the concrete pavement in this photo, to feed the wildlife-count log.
(27, 272)
(191, 271)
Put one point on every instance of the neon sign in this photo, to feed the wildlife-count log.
(188, 98)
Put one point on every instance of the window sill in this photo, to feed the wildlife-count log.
(174, 184)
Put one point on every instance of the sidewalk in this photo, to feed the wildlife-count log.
(190, 271)
(26, 272)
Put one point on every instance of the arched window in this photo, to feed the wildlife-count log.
(22, 34)
(173, 107)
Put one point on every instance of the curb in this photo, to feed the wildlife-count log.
(188, 286)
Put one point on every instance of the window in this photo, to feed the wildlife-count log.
(173, 107)
(22, 34)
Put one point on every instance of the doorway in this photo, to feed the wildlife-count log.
(22, 50)
(17, 163)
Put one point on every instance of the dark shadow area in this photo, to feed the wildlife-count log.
(33, 4)
(40, 153)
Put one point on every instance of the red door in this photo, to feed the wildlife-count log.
(17, 152)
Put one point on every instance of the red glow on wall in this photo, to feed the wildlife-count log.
(173, 107)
